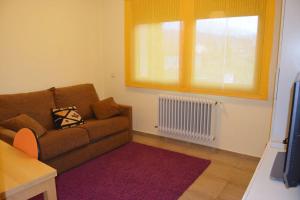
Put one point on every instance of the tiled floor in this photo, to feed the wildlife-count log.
(225, 179)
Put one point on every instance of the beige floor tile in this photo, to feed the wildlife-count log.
(194, 195)
(248, 163)
(226, 178)
(227, 158)
(199, 152)
(219, 170)
(240, 177)
(207, 186)
(232, 192)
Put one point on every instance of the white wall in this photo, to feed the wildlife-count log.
(65, 42)
(289, 63)
(49, 43)
(244, 124)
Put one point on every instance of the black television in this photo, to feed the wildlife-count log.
(287, 164)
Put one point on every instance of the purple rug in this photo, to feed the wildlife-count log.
(134, 171)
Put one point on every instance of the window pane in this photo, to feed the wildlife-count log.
(225, 53)
(157, 52)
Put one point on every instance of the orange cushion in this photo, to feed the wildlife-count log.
(26, 141)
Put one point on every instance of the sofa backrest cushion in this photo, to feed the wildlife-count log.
(37, 105)
(106, 108)
(24, 121)
(81, 96)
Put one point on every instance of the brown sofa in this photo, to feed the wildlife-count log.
(67, 148)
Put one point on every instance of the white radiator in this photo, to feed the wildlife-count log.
(187, 117)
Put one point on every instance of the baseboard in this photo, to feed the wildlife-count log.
(181, 139)
(155, 135)
(278, 145)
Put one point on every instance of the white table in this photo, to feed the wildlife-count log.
(22, 177)
(262, 187)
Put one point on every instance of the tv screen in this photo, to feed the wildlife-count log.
(291, 172)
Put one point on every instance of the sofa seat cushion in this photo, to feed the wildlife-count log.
(98, 129)
(81, 96)
(57, 142)
(37, 105)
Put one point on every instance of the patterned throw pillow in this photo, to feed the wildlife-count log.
(66, 117)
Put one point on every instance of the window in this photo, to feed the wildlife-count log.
(225, 52)
(218, 47)
(157, 45)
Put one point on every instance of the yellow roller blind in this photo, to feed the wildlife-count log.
(154, 11)
(218, 47)
(205, 9)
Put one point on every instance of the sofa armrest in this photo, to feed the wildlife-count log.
(127, 111)
(7, 135)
